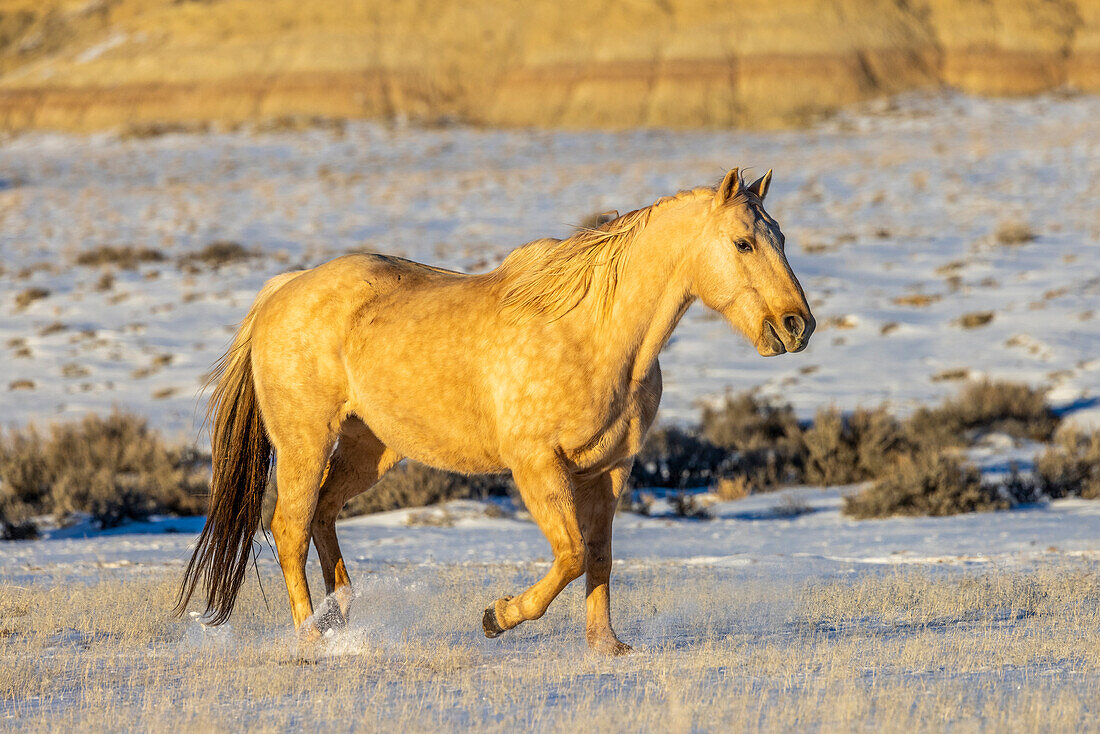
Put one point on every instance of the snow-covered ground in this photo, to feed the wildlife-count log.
(891, 215)
(795, 534)
(778, 614)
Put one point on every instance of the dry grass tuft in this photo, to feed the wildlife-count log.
(918, 300)
(125, 257)
(1013, 233)
(951, 375)
(598, 219)
(732, 488)
(975, 320)
(113, 468)
(216, 255)
(28, 296)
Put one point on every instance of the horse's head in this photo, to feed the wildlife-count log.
(741, 271)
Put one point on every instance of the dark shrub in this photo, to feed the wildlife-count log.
(928, 483)
(678, 459)
(113, 468)
(830, 451)
(743, 422)
(984, 407)
(765, 440)
(845, 449)
(416, 485)
(1072, 466)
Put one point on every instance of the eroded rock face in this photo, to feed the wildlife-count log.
(678, 63)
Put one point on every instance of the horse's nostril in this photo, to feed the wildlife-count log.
(794, 324)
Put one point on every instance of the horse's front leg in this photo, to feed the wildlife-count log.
(597, 499)
(547, 490)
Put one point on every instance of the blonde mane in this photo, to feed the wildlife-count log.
(550, 277)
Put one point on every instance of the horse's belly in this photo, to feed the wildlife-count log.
(447, 429)
(436, 446)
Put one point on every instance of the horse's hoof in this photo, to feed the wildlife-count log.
(309, 643)
(330, 617)
(490, 622)
(609, 645)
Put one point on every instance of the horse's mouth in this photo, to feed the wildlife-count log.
(770, 343)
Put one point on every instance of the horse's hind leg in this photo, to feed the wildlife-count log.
(301, 457)
(359, 461)
(596, 501)
(547, 490)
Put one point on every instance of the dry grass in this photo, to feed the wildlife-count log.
(919, 300)
(915, 651)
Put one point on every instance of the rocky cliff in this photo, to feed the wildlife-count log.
(683, 63)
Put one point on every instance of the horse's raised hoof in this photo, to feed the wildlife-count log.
(330, 617)
(490, 621)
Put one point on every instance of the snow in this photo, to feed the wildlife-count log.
(756, 531)
(884, 203)
(896, 200)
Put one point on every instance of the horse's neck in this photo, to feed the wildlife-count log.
(651, 295)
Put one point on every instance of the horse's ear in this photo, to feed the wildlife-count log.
(729, 187)
(608, 216)
(760, 185)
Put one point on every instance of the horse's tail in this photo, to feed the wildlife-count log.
(242, 457)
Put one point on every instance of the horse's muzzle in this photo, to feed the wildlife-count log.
(770, 343)
(790, 334)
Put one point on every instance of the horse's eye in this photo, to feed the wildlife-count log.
(744, 246)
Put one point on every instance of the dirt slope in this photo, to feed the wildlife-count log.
(91, 64)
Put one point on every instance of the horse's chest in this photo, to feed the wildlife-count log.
(607, 437)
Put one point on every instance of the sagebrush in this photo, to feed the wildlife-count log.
(113, 468)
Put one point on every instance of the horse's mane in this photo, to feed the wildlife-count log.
(550, 277)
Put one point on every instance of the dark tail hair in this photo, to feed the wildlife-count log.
(242, 457)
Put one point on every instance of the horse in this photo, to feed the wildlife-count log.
(546, 367)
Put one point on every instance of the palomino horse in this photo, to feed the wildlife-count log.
(546, 366)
